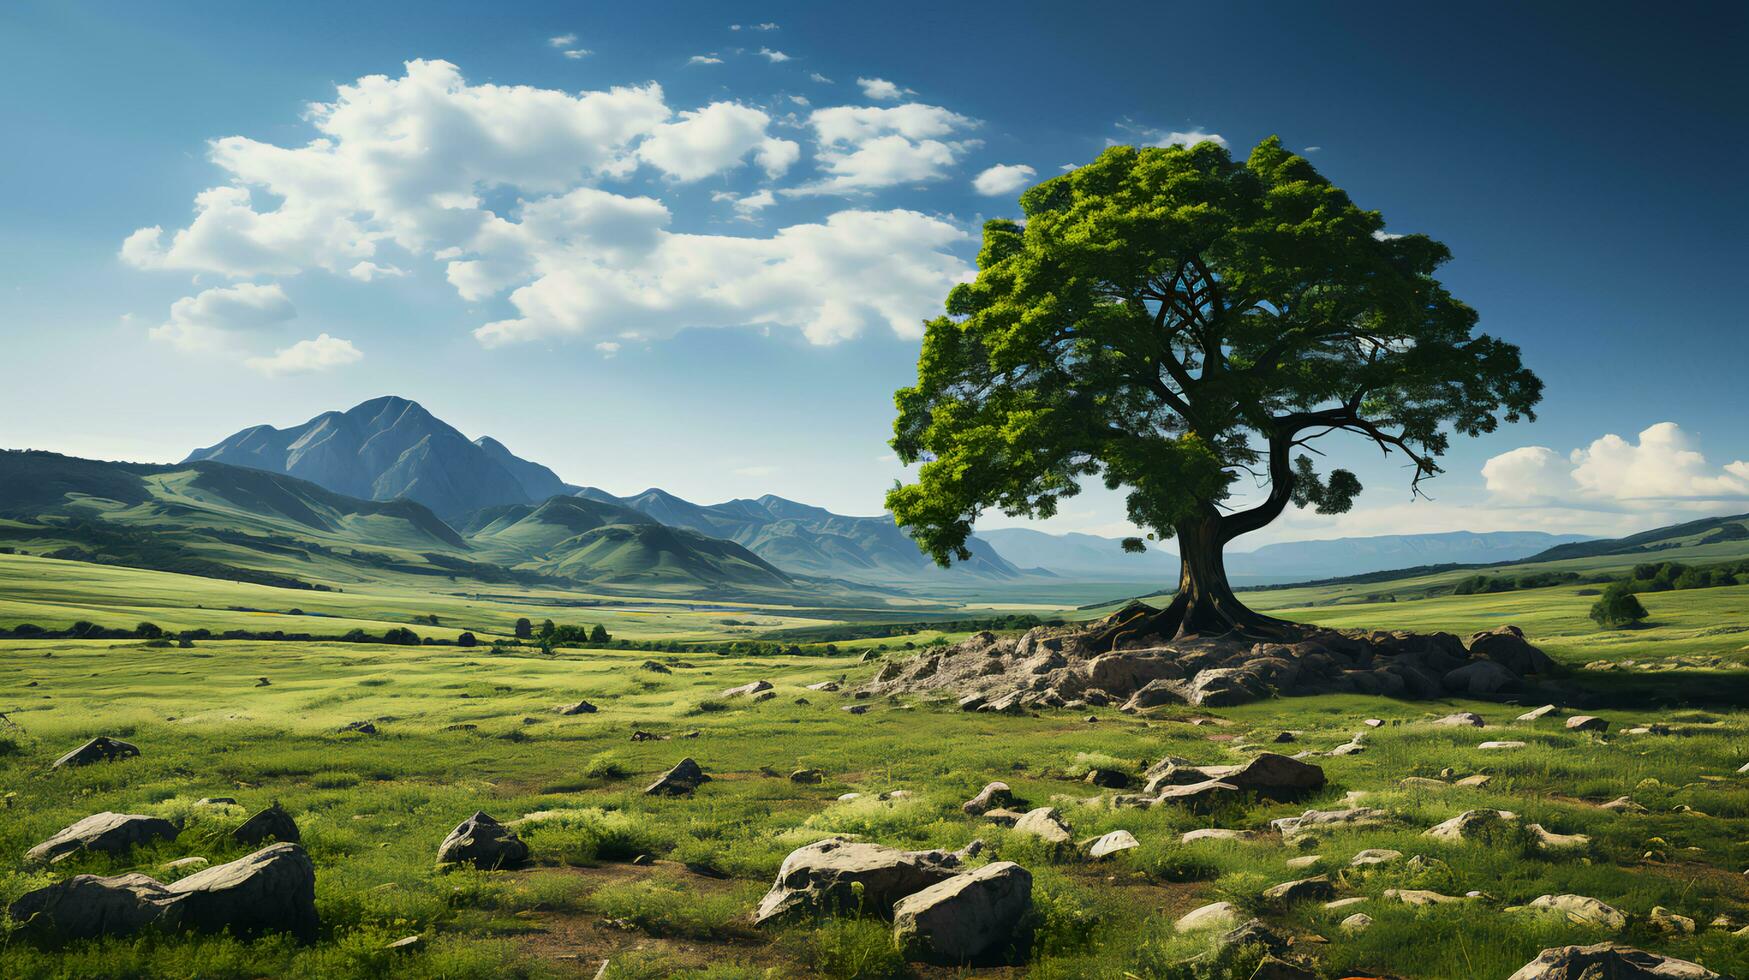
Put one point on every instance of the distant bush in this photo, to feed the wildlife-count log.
(1618, 607)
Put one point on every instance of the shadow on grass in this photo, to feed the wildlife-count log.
(1630, 689)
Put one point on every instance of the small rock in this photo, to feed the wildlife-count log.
(1549, 841)
(1508, 744)
(1215, 833)
(1587, 723)
(1303, 889)
(1670, 923)
(106, 832)
(994, 795)
(807, 776)
(1476, 781)
(1469, 718)
(1537, 714)
(1471, 825)
(484, 843)
(685, 777)
(580, 708)
(359, 727)
(1220, 915)
(1108, 778)
(754, 688)
(1375, 856)
(406, 944)
(1303, 862)
(1609, 960)
(826, 686)
(1044, 823)
(1622, 804)
(1420, 897)
(836, 875)
(1583, 910)
(1373, 722)
(100, 749)
(1112, 843)
(855, 709)
(1358, 922)
(272, 823)
(654, 667)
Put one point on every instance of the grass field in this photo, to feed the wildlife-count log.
(466, 729)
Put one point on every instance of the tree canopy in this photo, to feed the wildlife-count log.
(1171, 321)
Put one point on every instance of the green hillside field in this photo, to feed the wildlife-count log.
(466, 729)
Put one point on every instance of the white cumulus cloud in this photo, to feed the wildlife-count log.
(1004, 178)
(704, 59)
(1663, 465)
(773, 56)
(716, 138)
(881, 90)
(323, 353)
(562, 41)
(211, 320)
(864, 148)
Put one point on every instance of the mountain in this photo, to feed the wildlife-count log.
(390, 447)
(1090, 556)
(233, 522)
(810, 540)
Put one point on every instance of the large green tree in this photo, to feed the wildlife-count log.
(1173, 321)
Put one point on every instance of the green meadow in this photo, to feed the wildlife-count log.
(466, 729)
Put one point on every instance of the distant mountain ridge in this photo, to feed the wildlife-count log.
(391, 447)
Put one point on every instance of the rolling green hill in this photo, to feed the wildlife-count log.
(250, 525)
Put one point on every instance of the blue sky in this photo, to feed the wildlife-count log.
(647, 248)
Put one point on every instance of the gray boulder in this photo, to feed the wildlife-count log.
(1584, 910)
(484, 843)
(109, 833)
(273, 822)
(1506, 646)
(1304, 889)
(685, 777)
(272, 890)
(100, 749)
(964, 917)
(1480, 677)
(837, 875)
(1044, 823)
(1271, 776)
(1112, 843)
(1462, 718)
(994, 796)
(754, 688)
(1609, 961)
(579, 708)
(88, 906)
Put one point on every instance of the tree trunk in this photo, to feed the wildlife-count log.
(1205, 604)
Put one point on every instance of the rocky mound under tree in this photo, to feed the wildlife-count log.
(1122, 660)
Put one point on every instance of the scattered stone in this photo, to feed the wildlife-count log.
(1476, 781)
(1343, 903)
(1349, 748)
(484, 843)
(1375, 856)
(359, 728)
(1112, 843)
(1304, 889)
(756, 687)
(1108, 778)
(1419, 897)
(1003, 816)
(1471, 825)
(1044, 823)
(1284, 738)
(1215, 833)
(273, 822)
(681, 780)
(106, 832)
(763, 696)
(1358, 922)
(1422, 782)
(1360, 816)
(1537, 714)
(994, 795)
(962, 918)
(1469, 718)
(1550, 841)
(215, 801)
(406, 944)
(1220, 915)
(580, 708)
(1670, 923)
(654, 667)
(1609, 961)
(1374, 722)
(1583, 910)
(836, 875)
(100, 749)
(826, 686)
(1304, 862)
(807, 776)
(855, 709)
(1587, 723)
(1205, 795)
(1508, 744)
(639, 735)
(263, 682)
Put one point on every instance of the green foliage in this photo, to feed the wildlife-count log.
(1164, 309)
(1619, 607)
(854, 949)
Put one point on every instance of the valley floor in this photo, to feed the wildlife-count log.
(464, 730)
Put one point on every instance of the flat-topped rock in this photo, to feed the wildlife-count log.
(1317, 887)
(1469, 825)
(1372, 857)
(1215, 833)
(1112, 843)
(1360, 816)
(1220, 915)
(106, 832)
(1587, 723)
(1583, 910)
(834, 875)
(747, 689)
(1420, 897)
(1609, 961)
(1537, 714)
(1461, 719)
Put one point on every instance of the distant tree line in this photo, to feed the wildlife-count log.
(1486, 584)
(869, 631)
(85, 630)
